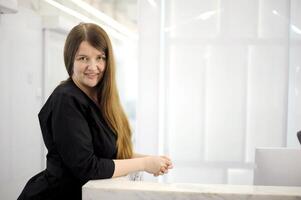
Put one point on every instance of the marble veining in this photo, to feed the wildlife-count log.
(122, 188)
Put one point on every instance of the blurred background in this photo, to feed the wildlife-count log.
(203, 81)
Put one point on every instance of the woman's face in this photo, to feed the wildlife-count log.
(89, 66)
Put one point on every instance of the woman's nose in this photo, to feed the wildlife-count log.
(93, 65)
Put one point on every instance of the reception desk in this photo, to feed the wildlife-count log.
(122, 189)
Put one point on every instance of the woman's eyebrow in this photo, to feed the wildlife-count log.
(101, 54)
(81, 55)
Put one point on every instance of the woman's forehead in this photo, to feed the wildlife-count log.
(86, 48)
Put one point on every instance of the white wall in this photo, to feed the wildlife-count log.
(210, 89)
(20, 102)
(294, 101)
(230, 77)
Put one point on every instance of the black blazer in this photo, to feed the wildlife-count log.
(80, 145)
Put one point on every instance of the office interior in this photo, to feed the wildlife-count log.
(211, 83)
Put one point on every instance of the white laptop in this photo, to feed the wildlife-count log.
(277, 167)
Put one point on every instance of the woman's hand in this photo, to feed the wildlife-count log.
(157, 165)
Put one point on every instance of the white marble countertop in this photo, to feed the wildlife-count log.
(124, 189)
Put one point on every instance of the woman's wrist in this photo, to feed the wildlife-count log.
(138, 155)
(144, 163)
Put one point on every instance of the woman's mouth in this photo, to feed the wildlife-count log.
(92, 75)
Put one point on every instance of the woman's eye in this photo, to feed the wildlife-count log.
(103, 58)
(83, 58)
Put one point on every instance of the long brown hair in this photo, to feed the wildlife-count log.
(107, 92)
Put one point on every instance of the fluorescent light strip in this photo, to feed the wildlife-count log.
(84, 18)
(293, 27)
(105, 18)
(152, 3)
(69, 11)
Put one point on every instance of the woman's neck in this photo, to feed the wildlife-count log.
(90, 92)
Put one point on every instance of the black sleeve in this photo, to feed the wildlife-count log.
(73, 140)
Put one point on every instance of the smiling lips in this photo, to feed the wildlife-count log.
(91, 75)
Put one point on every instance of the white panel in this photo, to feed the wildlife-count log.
(294, 107)
(5, 108)
(193, 18)
(298, 90)
(267, 91)
(277, 167)
(295, 20)
(196, 175)
(227, 86)
(294, 104)
(148, 78)
(55, 70)
(25, 100)
(273, 18)
(239, 18)
(8, 6)
(240, 176)
(186, 102)
(21, 70)
(225, 104)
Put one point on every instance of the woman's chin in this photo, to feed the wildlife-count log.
(91, 83)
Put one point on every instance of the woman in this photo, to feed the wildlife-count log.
(84, 127)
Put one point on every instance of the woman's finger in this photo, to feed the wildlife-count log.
(166, 158)
(170, 166)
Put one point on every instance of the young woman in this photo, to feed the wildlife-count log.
(84, 127)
